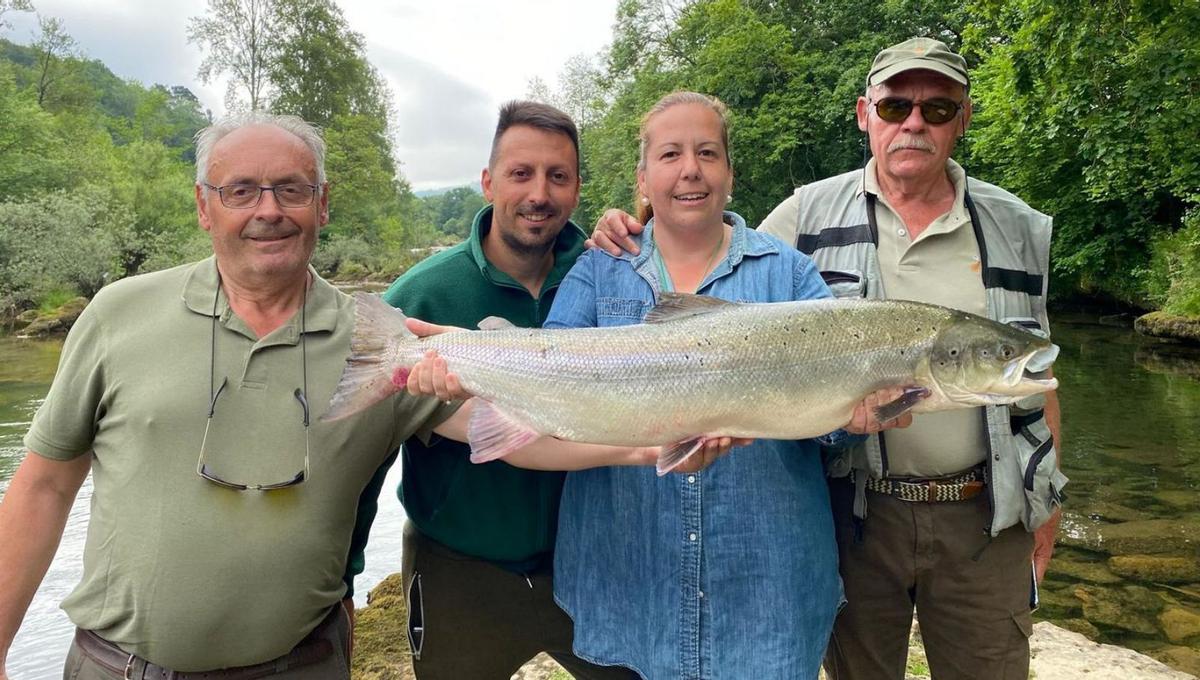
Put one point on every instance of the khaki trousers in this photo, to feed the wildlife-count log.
(972, 596)
(482, 622)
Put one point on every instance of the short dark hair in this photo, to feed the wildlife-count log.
(535, 115)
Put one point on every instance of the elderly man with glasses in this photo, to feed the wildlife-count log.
(222, 513)
(945, 515)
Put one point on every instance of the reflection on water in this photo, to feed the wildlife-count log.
(1132, 430)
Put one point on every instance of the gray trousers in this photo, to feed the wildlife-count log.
(972, 596)
(482, 622)
(333, 666)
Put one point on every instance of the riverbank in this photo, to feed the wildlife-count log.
(381, 651)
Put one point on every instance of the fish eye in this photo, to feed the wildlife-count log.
(1007, 351)
(953, 351)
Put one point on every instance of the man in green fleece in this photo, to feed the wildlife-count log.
(478, 546)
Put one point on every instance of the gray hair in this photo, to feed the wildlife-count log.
(307, 133)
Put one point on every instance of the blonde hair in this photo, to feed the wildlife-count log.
(644, 210)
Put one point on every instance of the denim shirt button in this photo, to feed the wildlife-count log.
(700, 593)
(691, 479)
(692, 536)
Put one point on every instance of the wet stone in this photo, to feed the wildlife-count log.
(1074, 571)
(1180, 624)
(1131, 608)
(1145, 537)
(1156, 568)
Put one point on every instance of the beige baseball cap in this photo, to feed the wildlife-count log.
(918, 53)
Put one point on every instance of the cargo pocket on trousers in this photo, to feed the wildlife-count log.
(845, 283)
(1041, 479)
(1024, 621)
(416, 617)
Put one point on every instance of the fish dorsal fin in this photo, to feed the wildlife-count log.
(495, 323)
(675, 306)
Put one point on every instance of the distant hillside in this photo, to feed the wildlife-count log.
(428, 193)
(90, 86)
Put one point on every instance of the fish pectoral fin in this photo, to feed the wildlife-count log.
(675, 306)
(494, 434)
(495, 323)
(900, 405)
(673, 456)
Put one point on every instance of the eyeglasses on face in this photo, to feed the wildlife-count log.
(936, 111)
(288, 195)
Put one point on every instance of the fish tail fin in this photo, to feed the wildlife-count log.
(367, 377)
(494, 434)
(673, 456)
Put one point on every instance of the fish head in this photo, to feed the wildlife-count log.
(977, 362)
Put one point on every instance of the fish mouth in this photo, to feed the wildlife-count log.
(1030, 374)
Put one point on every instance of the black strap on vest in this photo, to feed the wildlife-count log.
(993, 277)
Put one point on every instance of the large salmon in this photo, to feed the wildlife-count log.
(700, 367)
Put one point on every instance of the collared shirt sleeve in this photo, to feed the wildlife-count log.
(575, 303)
(66, 422)
(783, 221)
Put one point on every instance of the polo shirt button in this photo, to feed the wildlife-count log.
(901, 231)
(691, 479)
(692, 536)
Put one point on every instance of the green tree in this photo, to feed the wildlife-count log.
(54, 48)
(1085, 109)
(240, 41)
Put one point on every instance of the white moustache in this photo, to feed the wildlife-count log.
(912, 142)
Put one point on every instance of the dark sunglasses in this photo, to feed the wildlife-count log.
(935, 111)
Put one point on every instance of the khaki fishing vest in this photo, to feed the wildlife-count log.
(836, 229)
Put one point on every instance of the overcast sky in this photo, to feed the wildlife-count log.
(450, 63)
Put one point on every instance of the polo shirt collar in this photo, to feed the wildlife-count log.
(567, 247)
(958, 176)
(320, 308)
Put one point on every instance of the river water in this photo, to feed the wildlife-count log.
(1132, 450)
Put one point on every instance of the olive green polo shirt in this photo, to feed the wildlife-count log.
(942, 267)
(178, 570)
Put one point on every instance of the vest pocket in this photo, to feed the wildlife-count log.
(845, 283)
(1042, 481)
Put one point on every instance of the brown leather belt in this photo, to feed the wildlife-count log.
(310, 650)
(948, 489)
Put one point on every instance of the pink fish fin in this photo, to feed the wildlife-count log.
(368, 376)
(494, 434)
(673, 456)
(913, 394)
(495, 323)
(673, 306)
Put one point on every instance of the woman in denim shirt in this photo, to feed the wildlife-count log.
(726, 573)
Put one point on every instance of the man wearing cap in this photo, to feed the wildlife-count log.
(942, 516)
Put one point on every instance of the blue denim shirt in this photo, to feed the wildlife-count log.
(726, 573)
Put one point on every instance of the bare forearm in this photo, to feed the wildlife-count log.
(32, 516)
(548, 453)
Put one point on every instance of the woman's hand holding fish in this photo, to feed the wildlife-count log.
(711, 450)
(864, 421)
(430, 378)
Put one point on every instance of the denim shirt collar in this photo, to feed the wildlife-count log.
(743, 243)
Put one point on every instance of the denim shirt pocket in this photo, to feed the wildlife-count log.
(615, 311)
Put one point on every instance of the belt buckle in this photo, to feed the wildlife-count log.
(128, 674)
(931, 488)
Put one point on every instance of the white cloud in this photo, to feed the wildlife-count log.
(450, 63)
